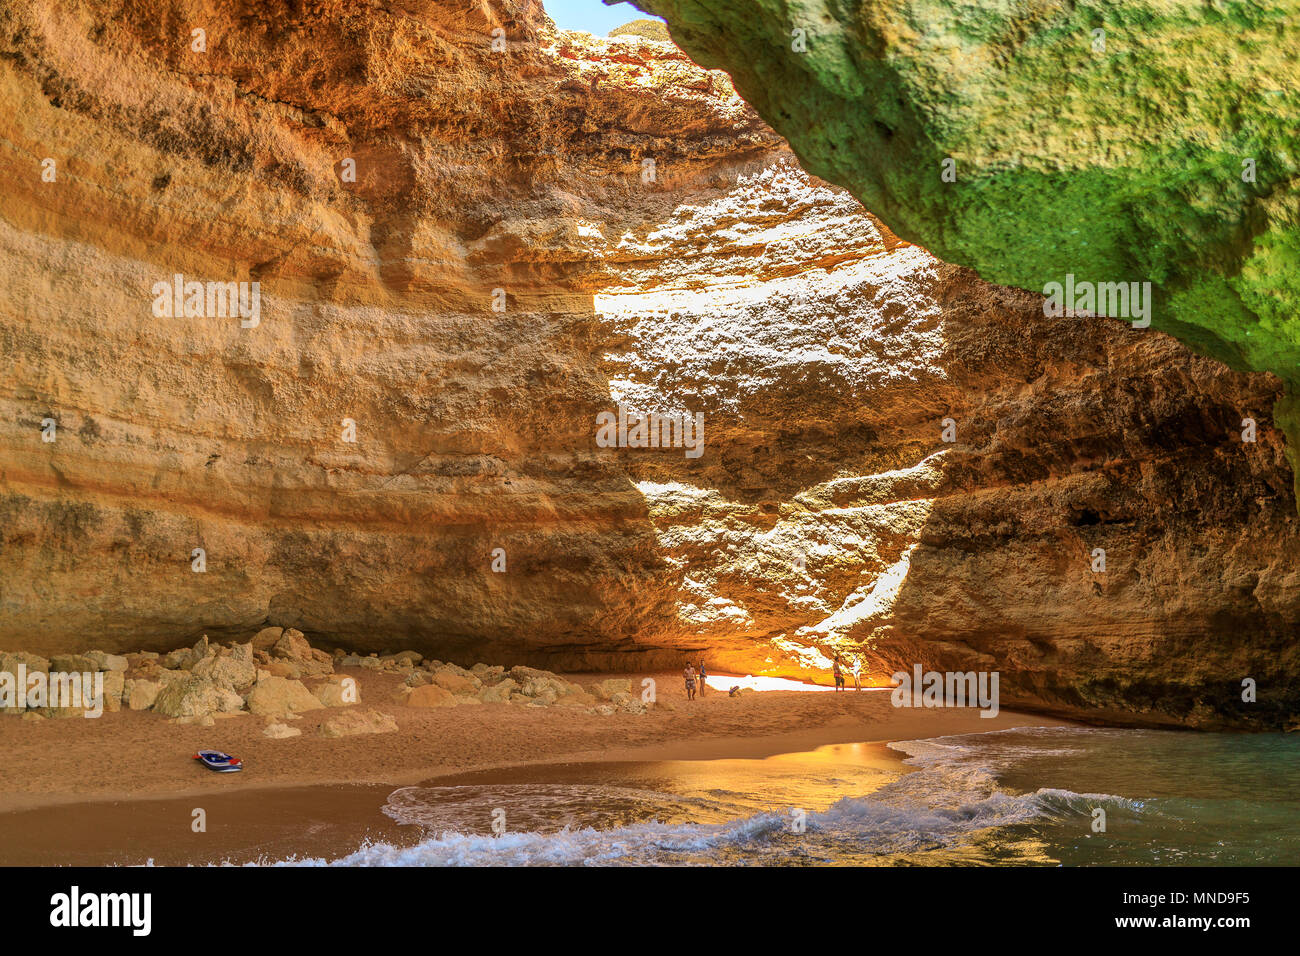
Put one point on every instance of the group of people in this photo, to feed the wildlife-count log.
(838, 670)
(692, 675)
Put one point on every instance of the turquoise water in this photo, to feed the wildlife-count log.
(1025, 796)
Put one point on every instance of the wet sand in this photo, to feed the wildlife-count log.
(123, 789)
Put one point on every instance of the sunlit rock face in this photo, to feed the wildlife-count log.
(476, 170)
(1144, 141)
(824, 509)
(830, 514)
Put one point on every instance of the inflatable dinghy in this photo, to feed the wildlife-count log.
(221, 763)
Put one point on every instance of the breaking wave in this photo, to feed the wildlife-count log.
(951, 798)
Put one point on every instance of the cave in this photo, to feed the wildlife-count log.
(509, 373)
(476, 320)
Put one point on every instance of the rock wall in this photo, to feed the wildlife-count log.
(1141, 141)
(536, 235)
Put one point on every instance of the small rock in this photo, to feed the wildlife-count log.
(292, 645)
(108, 662)
(606, 689)
(205, 720)
(431, 695)
(498, 693)
(281, 731)
(349, 723)
(456, 683)
(630, 705)
(338, 692)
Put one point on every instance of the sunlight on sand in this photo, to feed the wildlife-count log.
(724, 683)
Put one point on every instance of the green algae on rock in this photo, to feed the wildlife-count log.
(1152, 140)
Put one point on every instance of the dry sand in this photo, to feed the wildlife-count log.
(122, 787)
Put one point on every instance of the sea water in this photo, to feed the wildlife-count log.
(1023, 796)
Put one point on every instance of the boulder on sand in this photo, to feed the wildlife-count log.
(276, 696)
(114, 687)
(578, 698)
(228, 670)
(293, 647)
(456, 683)
(338, 691)
(141, 694)
(195, 697)
(10, 661)
(431, 695)
(488, 673)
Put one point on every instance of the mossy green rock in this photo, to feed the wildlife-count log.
(1117, 142)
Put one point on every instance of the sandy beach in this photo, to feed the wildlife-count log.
(123, 788)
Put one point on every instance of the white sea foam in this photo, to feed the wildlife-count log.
(583, 847)
(951, 798)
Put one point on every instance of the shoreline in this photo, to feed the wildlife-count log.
(720, 748)
(50, 764)
(310, 796)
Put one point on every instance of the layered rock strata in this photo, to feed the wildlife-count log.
(536, 236)
(1137, 142)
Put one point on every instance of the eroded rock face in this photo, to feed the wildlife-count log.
(475, 171)
(825, 510)
(833, 515)
(1137, 142)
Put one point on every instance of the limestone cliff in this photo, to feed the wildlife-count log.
(542, 227)
(1142, 141)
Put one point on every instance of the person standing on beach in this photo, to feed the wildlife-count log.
(689, 674)
(839, 674)
(857, 673)
(703, 675)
